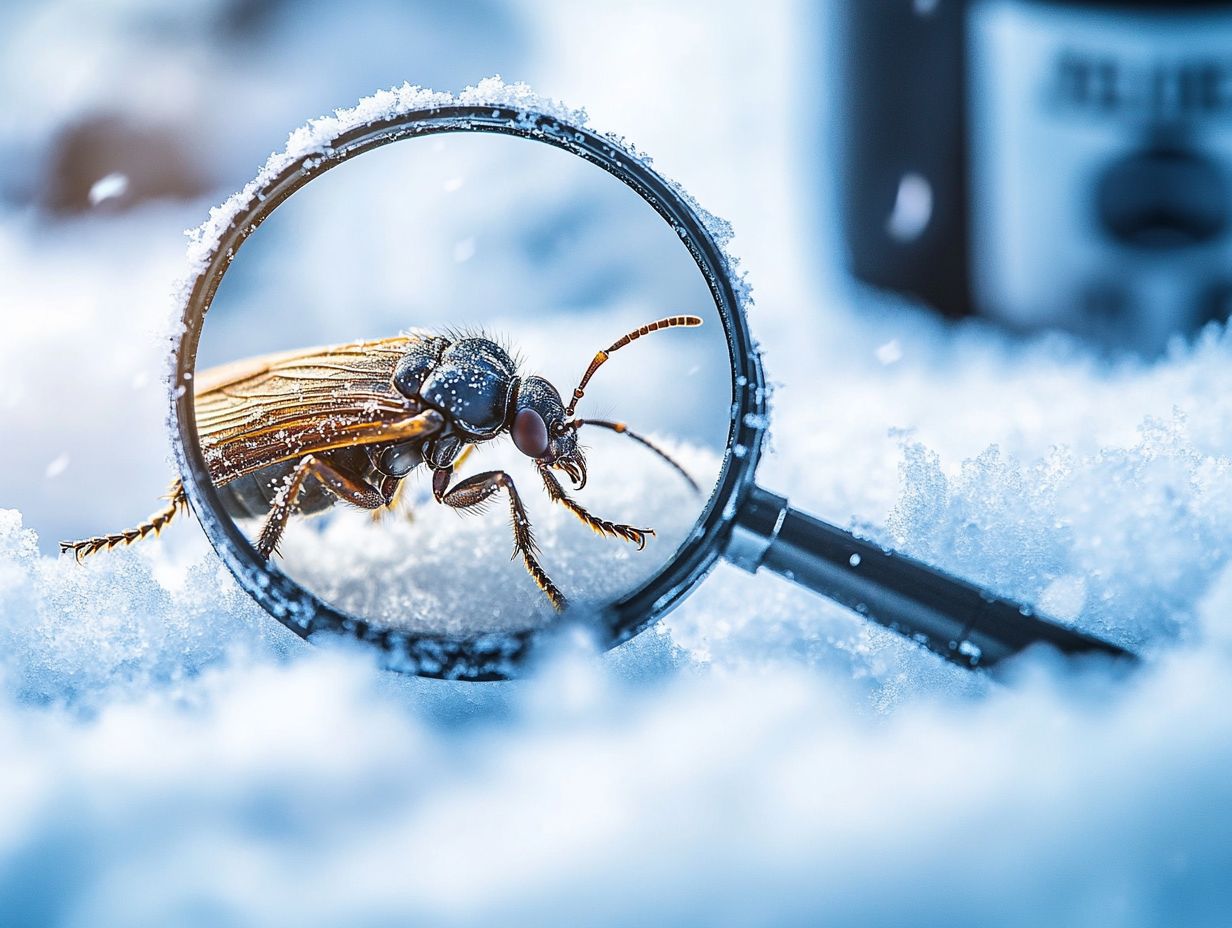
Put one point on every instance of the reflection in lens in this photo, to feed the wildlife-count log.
(461, 285)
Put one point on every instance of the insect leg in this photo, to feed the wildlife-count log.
(621, 429)
(348, 487)
(419, 425)
(176, 500)
(474, 491)
(396, 500)
(461, 458)
(600, 526)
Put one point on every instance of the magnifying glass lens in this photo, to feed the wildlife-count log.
(385, 388)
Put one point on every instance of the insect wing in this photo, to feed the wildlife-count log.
(273, 408)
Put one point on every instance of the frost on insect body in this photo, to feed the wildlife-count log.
(296, 433)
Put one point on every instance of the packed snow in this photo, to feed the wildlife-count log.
(172, 755)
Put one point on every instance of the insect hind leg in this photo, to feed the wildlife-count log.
(347, 486)
(176, 501)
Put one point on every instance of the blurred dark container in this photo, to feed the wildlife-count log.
(1046, 164)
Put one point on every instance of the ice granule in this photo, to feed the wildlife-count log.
(84, 635)
(1145, 557)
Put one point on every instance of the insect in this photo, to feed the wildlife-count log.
(296, 433)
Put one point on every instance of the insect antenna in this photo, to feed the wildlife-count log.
(621, 429)
(669, 323)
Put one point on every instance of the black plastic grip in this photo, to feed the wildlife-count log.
(949, 616)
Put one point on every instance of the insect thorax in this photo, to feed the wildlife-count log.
(471, 381)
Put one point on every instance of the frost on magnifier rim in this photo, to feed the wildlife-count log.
(315, 137)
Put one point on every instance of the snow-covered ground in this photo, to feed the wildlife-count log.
(171, 755)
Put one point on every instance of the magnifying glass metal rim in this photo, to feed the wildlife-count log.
(488, 655)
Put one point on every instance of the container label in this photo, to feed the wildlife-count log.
(1100, 145)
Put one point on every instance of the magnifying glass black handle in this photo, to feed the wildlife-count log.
(953, 618)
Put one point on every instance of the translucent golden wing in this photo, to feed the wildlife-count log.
(279, 407)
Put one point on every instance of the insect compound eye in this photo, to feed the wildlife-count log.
(530, 434)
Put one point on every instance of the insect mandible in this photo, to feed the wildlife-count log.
(296, 433)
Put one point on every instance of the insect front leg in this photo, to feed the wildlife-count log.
(346, 485)
(621, 428)
(600, 526)
(475, 491)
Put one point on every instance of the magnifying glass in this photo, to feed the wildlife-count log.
(508, 334)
